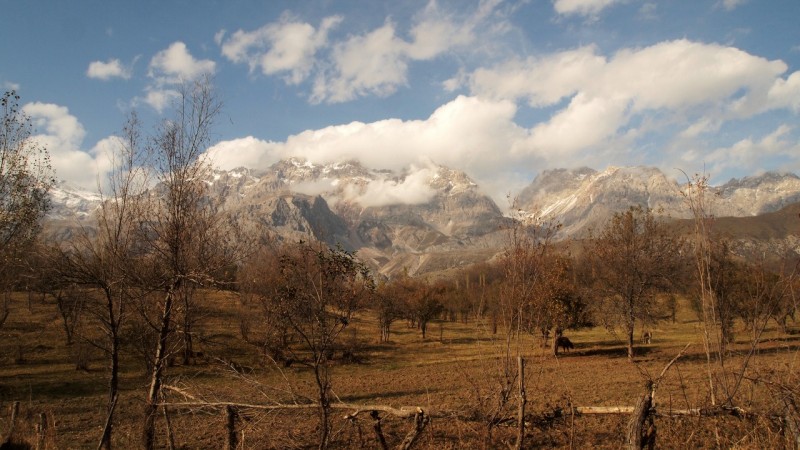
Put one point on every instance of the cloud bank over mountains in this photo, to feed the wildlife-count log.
(508, 106)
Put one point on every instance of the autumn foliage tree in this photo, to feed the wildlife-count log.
(25, 180)
(633, 259)
(312, 295)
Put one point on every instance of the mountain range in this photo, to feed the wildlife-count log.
(431, 218)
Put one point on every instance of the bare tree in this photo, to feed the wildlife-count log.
(316, 294)
(104, 257)
(633, 259)
(698, 201)
(183, 232)
(25, 180)
(388, 307)
(536, 294)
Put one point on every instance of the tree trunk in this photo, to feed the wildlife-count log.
(630, 342)
(151, 403)
(113, 388)
(113, 383)
(522, 401)
(324, 404)
(639, 438)
(556, 336)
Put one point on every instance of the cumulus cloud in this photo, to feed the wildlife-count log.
(62, 135)
(674, 81)
(376, 62)
(107, 70)
(601, 109)
(170, 67)
(370, 62)
(287, 46)
(542, 81)
(583, 7)
(175, 64)
(458, 134)
(752, 153)
(245, 152)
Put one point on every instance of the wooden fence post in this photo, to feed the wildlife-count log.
(231, 438)
(41, 430)
(10, 434)
(638, 436)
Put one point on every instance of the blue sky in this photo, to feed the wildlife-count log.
(499, 89)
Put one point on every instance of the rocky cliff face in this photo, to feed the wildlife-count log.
(430, 218)
(584, 198)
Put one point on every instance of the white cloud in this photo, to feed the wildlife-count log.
(542, 81)
(601, 110)
(62, 135)
(314, 188)
(287, 46)
(458, 134)
(751, 154)
(10, 86)
(376, 62)
(649, 11)
(730, 5)
(245, 152)
(413, 189)
(582, 7)
(585, 123)
(674, 81)
(371, 62)
(56, 121)
(169, 68)
(158, 98)
(785, 93)
(113, 68)
(175, 64)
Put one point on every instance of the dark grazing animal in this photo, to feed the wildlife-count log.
(565, 343)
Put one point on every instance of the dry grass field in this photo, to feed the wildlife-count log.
(454, 375)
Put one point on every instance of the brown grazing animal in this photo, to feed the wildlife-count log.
(565, 343)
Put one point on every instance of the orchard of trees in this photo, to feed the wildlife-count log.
(159, 240)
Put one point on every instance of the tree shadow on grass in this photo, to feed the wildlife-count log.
(31, 387)
(383, 395)
(612, 350)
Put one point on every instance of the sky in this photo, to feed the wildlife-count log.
(500, 89)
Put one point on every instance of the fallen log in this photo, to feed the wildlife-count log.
(699, 412)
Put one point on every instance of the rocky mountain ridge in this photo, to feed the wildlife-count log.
(430, 218)
(585, 198)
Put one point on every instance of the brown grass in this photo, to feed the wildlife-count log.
(454, 374)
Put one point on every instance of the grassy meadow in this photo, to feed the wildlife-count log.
(455, 375)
